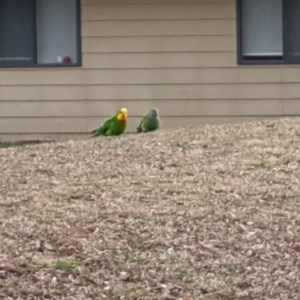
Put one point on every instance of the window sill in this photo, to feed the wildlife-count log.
(31, 65)
(241, 61)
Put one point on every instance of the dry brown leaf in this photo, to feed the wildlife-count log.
(258, 247)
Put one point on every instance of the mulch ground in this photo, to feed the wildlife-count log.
(210, 213)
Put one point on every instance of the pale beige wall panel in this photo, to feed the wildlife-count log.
(152, 92)
(158, 28)
(139, 108)
(291, 74)
(291, 107)
(53, 76)
(159, 44)
(204, 10)
(210, 91)
(85, 125)
(40, 93)
(144, 76)
(185, 76)
(159, 60)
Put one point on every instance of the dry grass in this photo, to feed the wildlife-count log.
(203, 213)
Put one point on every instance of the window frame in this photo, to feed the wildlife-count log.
(242, 61)
(25, 64)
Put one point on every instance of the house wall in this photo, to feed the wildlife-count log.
(176, 55)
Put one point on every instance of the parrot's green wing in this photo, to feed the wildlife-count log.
(140, 128)
(111, 127)
(148, 123)
(103, 130)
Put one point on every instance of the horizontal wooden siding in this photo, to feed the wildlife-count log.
(176, 55)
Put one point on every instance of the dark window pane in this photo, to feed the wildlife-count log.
(293, 29)
(262, 30)
(17, 29)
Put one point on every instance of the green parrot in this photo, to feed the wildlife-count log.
(115, 125)
(150, 122)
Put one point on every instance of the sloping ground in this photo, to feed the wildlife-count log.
(203, 213)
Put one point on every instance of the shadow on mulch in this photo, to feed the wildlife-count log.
(23, 143)
(35, 142)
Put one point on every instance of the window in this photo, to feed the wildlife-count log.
(269, 31)
(40, 33)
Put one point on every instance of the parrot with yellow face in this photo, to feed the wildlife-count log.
(150, 122)
(115, 125)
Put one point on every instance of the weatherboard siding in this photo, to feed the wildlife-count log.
(176, 55)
